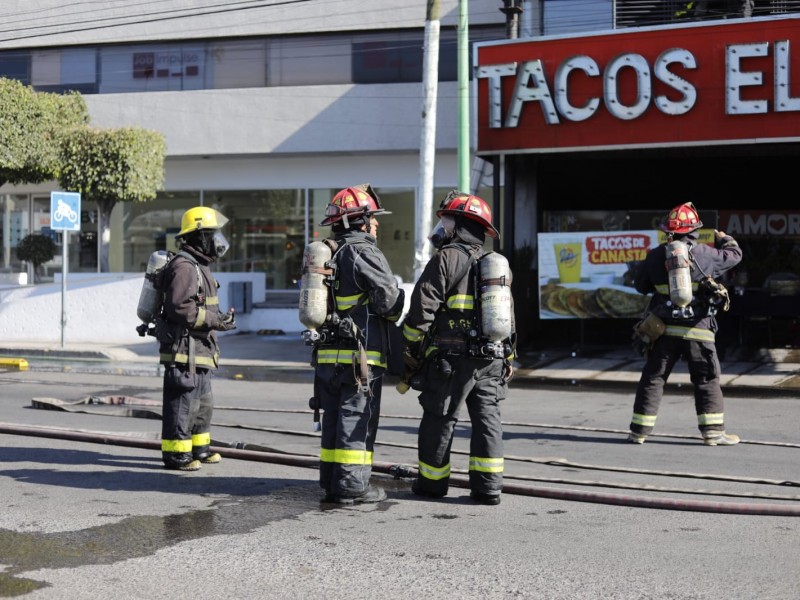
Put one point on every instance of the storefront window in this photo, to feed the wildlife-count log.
(266, 232)
(140, 228)
(15, 227)
(24, 215)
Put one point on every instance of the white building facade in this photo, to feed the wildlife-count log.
(267, 108)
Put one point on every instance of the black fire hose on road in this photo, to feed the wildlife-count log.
(398, 472)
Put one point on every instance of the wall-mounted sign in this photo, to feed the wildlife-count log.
(731, 82)
(587, 275)
(780, 223)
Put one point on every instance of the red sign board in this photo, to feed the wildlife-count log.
(731, 82)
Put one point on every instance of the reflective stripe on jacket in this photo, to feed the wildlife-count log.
(191, 307)
(441, 308)
(366, 291)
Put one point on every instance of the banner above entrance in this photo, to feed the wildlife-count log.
(718, 83)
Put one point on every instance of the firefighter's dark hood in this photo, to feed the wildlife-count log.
(470, 232)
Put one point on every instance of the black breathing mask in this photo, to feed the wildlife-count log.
(212, 243)
(443, 231)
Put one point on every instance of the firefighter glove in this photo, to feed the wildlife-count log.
(508, 371)
(225, 321)
(410, 360)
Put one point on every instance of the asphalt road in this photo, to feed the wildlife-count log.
(585, 515)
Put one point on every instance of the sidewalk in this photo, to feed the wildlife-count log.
(268, 355)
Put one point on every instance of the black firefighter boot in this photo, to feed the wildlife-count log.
(371, 496)
(180, 461)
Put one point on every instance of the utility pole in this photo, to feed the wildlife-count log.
(463, 96)
(512, 11)
(430, 83)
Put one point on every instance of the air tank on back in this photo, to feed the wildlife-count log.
(313, 290)
(494, 295)
(679, 273)
(150, 299)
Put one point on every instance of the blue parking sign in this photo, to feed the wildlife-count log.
(65, 211)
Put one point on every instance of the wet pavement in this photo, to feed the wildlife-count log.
(88, 512)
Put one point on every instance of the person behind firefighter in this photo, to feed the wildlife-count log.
(689, 330)
(352, 357)
(444, 353)
(188, 341)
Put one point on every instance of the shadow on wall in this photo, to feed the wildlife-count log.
(100, 308)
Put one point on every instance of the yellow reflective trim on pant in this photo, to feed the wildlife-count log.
(690, 333)
(434, 473)
(345, 457)
(486, 465)
(333, 356)
(176, 445)
(644, 420)
(201, 439)
(711, 419)
(461, 302)
(344, 303)
(183, 359)
(411, 334)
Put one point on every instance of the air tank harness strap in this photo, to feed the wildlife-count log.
(327, 271)
(433, 341)
(349, 330)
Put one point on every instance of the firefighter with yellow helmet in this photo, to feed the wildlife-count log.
(459, 338)
(187, 336)
(681, 274)
(351, 345)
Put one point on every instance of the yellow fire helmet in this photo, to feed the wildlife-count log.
(201, 217)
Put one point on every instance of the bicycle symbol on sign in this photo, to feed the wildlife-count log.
(64, 211)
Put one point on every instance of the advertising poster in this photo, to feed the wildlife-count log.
(589, 274)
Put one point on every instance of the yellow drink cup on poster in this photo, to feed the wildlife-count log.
(568, 259)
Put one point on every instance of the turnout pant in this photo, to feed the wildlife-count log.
(704, 371)
(479, 384)
(349, 427)
(188, 405)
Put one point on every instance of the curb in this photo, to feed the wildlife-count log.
(54, 354)
(20, 363)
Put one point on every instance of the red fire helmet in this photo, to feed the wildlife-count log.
(682, 219)
(468, 206)
(352, 204)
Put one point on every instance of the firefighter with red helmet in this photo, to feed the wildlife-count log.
(352, 353)
(449, 358)
(186, 331)
(681, 274)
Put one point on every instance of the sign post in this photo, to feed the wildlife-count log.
(65, 212)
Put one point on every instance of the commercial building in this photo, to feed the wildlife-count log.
(603, 132)
(269, 107)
